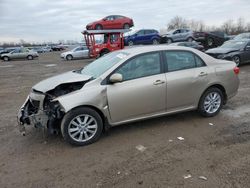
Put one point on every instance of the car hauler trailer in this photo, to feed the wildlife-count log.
(112, 40)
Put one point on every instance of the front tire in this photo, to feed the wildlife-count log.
(98, 27)
(211, 102)
(236, 59)
(69, 57)
(5, 58)
(82, 126)
(169, 41)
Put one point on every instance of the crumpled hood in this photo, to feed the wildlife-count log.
(221, 50)
(68, 77)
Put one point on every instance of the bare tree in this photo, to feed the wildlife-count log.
(177, 22)
(240, 25)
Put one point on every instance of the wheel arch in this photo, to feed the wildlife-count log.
(218, 86)
(69, 55)
(103, 117)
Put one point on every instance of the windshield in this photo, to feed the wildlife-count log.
(101, 65)
(234, 44)
(242, 36)
(130, 33)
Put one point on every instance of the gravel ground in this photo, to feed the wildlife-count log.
(142, 154)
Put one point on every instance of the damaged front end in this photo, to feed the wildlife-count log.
(42, 110)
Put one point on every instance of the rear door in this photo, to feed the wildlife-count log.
(140, 37)
(187, 78)
(184, 34)
(148, 35)
(142, 91)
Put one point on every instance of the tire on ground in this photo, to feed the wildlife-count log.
(73, 114)
(201, 108)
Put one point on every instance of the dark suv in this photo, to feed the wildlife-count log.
(143, 36)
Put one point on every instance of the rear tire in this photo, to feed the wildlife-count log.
(211, 102)
(30, 57)
(69, 57)
(81, 126)
(210, 42)
(130, 43)
(155, 42)
(98, 27)
(190, 39)
(104, 52)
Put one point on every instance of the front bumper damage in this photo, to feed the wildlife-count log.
(36, 112)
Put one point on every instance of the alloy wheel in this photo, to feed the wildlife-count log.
(236, 59)
(82, 128)
(212, 102)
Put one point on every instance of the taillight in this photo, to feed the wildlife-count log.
(236, 70)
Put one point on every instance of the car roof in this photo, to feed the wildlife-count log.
(145, 49)
(132, 51)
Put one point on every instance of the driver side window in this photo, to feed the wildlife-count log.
(141, 66)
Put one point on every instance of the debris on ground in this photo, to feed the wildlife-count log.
(211, 124)
(118, 173)
(170, 140)
(187, 176)
(141, 148)
(203, 178)
(50, 65)
(140, 182)
(6, 66)
(180, 138)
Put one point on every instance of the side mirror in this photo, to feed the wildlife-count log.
(104, 19)
(115, 78)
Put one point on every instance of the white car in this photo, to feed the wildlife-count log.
(77, 53)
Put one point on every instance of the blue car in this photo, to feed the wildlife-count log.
(143, 36)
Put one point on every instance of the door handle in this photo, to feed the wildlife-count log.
(158, 82)
(203, 74)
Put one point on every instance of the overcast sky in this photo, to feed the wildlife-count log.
(51, 20)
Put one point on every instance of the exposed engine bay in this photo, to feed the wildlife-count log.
(43, 111)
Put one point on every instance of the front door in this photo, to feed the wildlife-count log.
(142, 91)
(246, 54)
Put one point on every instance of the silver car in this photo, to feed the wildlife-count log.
(77, 53)
(178, 35)
(20, 53)
(129, 85)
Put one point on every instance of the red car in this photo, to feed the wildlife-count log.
(111, 22)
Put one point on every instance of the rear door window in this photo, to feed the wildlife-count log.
(179, 60)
